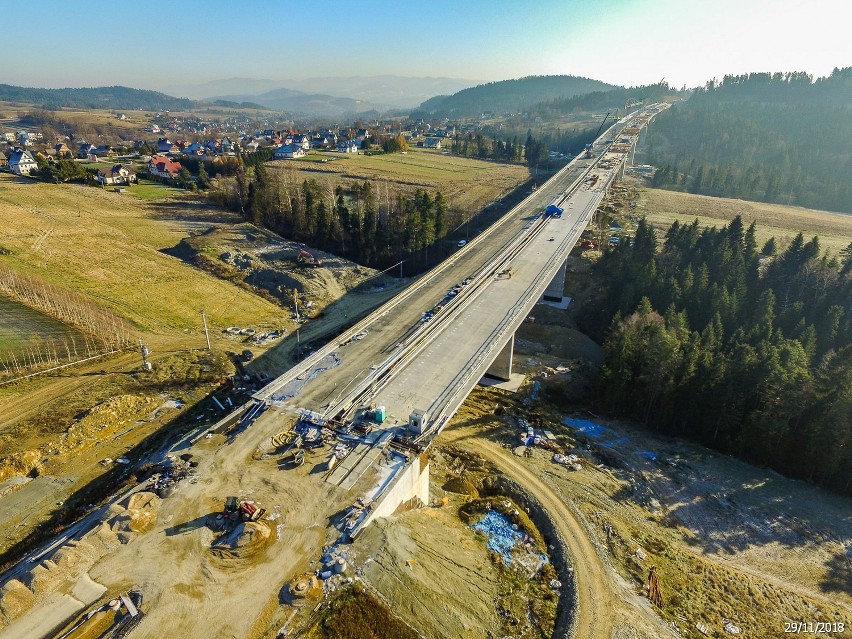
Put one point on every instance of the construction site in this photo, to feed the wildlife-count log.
(335, 487)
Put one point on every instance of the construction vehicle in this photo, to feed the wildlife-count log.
(242, 511)
(588, 151)
(303, 257)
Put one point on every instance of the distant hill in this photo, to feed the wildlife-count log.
(510, 96)
(780, 137)
(299, 103)
(392, 91)
(95, 98)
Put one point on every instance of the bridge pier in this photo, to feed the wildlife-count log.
(554, 293)
(501, 368)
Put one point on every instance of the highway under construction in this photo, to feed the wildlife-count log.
(376, 398)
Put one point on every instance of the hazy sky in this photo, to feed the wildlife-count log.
(63, 43)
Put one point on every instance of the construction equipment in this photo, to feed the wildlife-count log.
(303, 257)
(294, 458)
(242, 511)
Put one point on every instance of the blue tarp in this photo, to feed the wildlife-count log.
(586, 427)
(501, 533)
(591, 429)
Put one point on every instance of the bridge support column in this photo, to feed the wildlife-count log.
(502, 366)
(554, 290)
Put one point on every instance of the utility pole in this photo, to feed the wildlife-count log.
(296, 302)
(206, 332)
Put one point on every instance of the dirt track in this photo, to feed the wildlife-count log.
(600, 598)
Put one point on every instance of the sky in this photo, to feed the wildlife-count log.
(627, 42)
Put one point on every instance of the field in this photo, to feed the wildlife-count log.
(109, 246)
(468, 185)
(20, 325)
(783, 222)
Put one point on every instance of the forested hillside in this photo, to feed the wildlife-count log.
(352, 219)
(95, 98)
(772, 137)
(605, 100)
(718, 340)
(510, 96)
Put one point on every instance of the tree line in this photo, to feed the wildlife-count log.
(713, 338)
(371, 223)
(489, 147)
(780, 138)
(101, 330)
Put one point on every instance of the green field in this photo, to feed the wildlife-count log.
(21, 326)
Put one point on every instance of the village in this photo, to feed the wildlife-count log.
(26, 150)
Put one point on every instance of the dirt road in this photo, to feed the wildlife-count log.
(601, 600)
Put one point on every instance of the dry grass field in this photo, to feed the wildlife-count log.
(783, 222)
(108, 246)
(467, 184)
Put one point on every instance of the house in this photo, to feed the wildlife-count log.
(349, 146)
(288, 152)
(432, 143)
(161, 166)
(61, 150)
(3, 160)
(193, 149)
(117, 174)
(22, 163)
(164, 145)
(303, 141)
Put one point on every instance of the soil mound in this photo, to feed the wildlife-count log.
(44, 578)
(246, 539)
(15, 600)
(303, 590)
(461, 486)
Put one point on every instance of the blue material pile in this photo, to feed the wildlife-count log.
(501, 533)
(586, 427)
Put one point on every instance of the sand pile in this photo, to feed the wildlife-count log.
(139, 514)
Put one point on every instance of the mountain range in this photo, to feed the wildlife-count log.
(358, 92)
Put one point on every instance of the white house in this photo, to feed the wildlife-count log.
(22, 163)
(349, 146)
(117, 174)
(288, 152)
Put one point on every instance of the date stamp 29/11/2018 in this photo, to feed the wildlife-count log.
(814, 627)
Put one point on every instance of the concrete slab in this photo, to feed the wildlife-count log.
(512, 385)
(563, 305)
